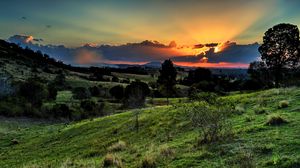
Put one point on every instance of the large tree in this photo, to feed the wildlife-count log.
(167, 77)
(280, 49)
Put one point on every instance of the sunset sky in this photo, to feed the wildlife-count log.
(72, 24)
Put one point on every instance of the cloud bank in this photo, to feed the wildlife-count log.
(228, 54)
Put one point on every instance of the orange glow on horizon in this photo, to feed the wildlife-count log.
(213, 65)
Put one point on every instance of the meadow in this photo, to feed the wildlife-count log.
(166, 137)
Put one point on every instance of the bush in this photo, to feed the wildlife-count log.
(61, 111)
(258, 110)
(10, 109)
(211, 121)
(119, 146)
(240, 109)
(33, 91)
(90, 108)
(166, 152)
(283, 104)
(244, 159)
(135, 94)
(111, 160)
(52, 90)
(276, 120)
(117, 92)
(209, 97)
(81, 93)
(148, 162)
(95, 91)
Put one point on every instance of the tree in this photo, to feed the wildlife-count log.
(167, 77)
(280, 49)
(260, 76)
(198, 75)
(33, 91)
(135, 96)
(81, 93)
(60, 80)
(117, 92)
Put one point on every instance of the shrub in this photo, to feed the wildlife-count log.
(211, 121)
(115, 79)
(209, 97)
(119, 146)
(81, 93)
(240, 109)
(275, 120)
(95, 91)
(283, 104)
(61, 111)
(117, 92)
(166, 151)
(52, 90)
(33, 91)
(111, 160)
(14, 142)
(91, 108)
(148, 161)
(244, 159)
(135, 94)
(258, 110)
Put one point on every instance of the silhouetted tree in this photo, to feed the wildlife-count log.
(280, 49)
(33, 91)
(199, 74)
(260, 76)
(95, 91)
(135, 94)
(117, 92)
(81, 93)
(167, 77)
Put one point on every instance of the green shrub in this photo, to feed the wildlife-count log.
(149, 161)
(91, 108)
(240, 109)
(10, 109)
(209, 97)
(275, 120)
(166, 152)
(33, 91)
(61, 111)
(119, 146)
(81, 93)
(112, 160)
(259, 110)
(211, 121)
(283, 104)
(244, 159)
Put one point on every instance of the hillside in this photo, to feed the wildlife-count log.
(166, 137)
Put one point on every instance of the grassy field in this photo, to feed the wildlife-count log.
(166, 137)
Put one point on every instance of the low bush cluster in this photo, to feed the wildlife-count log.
(211, 121)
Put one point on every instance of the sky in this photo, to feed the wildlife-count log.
(137, 32)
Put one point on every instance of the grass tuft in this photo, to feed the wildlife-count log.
(111, 160)
(119, 146)
(283, 104)
(275, 120)
(149, 161)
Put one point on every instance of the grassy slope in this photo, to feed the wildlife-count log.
(84, 144)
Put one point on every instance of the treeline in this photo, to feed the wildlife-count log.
(37, 59)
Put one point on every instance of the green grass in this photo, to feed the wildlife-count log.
(86, 143)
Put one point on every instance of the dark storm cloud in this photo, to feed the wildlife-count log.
(232, 53)
(145, 51)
